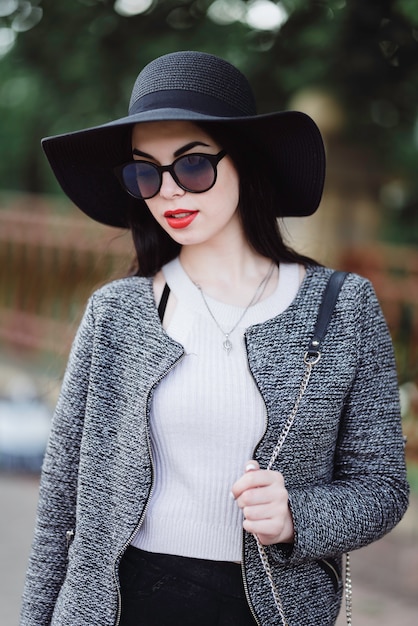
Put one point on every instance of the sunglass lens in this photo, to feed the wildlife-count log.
(141, 179)
(195, 172)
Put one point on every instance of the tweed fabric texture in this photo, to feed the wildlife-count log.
(343, 460)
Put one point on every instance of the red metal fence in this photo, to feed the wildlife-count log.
(50, 261)
(393, 270)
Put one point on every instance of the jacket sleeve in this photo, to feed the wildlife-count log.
(58, 487)
(369, 492)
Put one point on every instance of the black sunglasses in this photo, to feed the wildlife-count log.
(195, 172)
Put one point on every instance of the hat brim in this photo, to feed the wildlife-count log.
(83, 161)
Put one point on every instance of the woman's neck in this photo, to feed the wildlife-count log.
(230, 275)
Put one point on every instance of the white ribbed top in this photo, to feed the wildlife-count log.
(207, 416)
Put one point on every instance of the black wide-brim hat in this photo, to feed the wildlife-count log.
(195, 87)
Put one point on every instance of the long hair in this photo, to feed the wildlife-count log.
(258, 207)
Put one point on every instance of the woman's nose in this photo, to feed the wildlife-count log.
(169, 187)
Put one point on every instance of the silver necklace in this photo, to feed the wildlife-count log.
(226, 344)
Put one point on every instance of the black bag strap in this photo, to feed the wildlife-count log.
(329, 298)
(163, 302)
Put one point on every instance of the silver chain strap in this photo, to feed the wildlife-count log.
(267, 569)
(348, 591)
(309, 361)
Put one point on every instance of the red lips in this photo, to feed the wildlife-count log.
(180, 218)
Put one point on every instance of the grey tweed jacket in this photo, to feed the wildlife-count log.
(343, 459)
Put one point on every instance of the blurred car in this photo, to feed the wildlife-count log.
(25, 421)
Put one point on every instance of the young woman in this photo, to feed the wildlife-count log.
(159, 492)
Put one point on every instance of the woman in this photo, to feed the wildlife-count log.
(155, 500)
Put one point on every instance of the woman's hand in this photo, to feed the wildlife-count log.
(262, 496)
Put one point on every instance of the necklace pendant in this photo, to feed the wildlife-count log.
(227, 345)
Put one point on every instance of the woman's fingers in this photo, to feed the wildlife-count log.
(253, 484)
(263, 498)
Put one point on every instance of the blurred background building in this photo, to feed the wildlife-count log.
(351, 65)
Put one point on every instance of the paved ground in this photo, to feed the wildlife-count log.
(385, 574)
(18, 498)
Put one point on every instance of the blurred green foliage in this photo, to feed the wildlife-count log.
(413, 476)
(73, 65)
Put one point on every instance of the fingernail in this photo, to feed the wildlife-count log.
(250, 467)
(231, 495)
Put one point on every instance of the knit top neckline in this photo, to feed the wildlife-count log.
(185, 290)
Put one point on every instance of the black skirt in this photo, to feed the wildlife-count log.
(167, 590)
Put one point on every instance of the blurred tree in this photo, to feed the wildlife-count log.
(73, 64)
